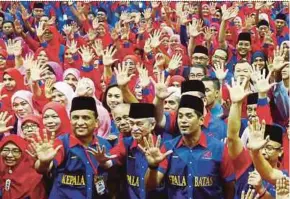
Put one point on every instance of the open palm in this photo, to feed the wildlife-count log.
(256, 136)
(237, 90)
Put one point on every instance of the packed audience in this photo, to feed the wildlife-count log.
(135, 100)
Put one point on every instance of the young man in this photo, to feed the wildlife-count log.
(198, 166)
(78, 174)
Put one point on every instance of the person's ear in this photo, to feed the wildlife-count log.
(201, 120)
(153, 124)
(281, 152)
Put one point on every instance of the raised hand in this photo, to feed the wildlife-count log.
(256, 135)
(194, 29)
(40, 29)
(268, 38)
(143, 76)
(18, 27)
(108, 55)
(208, 34)
(73, 47)
(279, 59)
(160, 59)
(17, 48)
(262, 84)
(147, 46)
(229, 13)
(219, 71)
(3, 122)
(237, 90)
(212, 8)
(122, 75)
(282, 188)
(86, 54)
(161, 86)
(155, 4)
(95, 23)
(67, 29)
(255, 180)
(98, 47)
(28, 61)
(10, 46)
(44, 149)
(92, 34)
(255, 72)
(48, 88)
(175, 62)
(147, 13)
(155, 39)
(51, 21)
(100, 154)
(25, 14)
(36, 70)
(259, 5)
(250, 194)
(152, 151)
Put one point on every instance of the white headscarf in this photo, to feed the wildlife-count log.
(68, 92)
(73, 72)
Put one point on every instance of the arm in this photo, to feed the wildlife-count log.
(153, 179)
(281, 99)
(264, 168)
(159, 112)
(222, 35)
(128, 95)
(229, 190)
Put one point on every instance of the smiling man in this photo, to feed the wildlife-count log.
(78, 173)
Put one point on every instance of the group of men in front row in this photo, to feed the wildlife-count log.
(191, 165)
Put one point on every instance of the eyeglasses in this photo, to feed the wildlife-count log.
(270, 148)
(196, 75)
(26, 127)
(14, 152)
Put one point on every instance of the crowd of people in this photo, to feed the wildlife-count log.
(135, 100)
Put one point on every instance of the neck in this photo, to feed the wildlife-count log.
(86, 141)
(192, 139)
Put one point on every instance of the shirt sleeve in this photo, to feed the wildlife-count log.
(242, 163)
(227, 168)
(120, 151)
(263, 110)
(170, 121)
(281, 99)
(58, 159)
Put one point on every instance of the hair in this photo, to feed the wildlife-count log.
(7, 21)
(240, 62)
(105, 104)
(215, 82)
(224, 51)
(199, 114)
(198, 66)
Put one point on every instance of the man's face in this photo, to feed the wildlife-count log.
(272, 151)
(219, 56)
(279, 24)
(251, 112)
(188, 121)
(171, 103)
(83, 123)
(7, 29)
(1, 22)
(38, 12)
(102, 17)
(243, 47)
(141, 127)
(210, 92)
(263, 30)
(200, 59)
(243, 71)
(11, 154)
(196, 73)
(121, 117)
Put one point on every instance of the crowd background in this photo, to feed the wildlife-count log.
(121, 53)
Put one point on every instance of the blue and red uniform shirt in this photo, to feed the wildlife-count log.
(133, 158)
(74, 170)
(197, 172)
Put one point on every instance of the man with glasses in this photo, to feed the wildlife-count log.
(196, 72)
(200, 56)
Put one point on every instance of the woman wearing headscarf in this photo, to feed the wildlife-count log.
(259, 59)
(86, 88)
(55, 119)
(22, 106)
(18, 178)
(63, 94)
(176, 81)
(31, 126)
(4, 63)
(71, 76)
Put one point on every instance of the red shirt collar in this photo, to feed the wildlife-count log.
(207, 118)
(73, 141)
(202, 141)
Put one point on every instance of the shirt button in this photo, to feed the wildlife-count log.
(191, 151)
(142, 167)
(189, 186)
(189, 174)
(88, 162)
(89, 176)
(89, 188)
(190, 162)
(142, 178)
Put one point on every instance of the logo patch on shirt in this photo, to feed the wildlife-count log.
(74, 180)
(174, 156)
(133, 180)
(207, 155)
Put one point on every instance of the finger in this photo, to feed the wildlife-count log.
(158, 142)
(153, 81)
(146, 143)
(29, 153)
(167, 153)
(243, 195)
(39, 140)
(45, 139)
(151, 141)
(94, 151)
(8, 119)
(57, 148)
(52, 137)
(142, 149)
(103, 150)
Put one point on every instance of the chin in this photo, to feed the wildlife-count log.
(11, 163)
(136, 136)
(184, 133)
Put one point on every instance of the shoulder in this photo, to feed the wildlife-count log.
(103, 141)
(170, 144)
